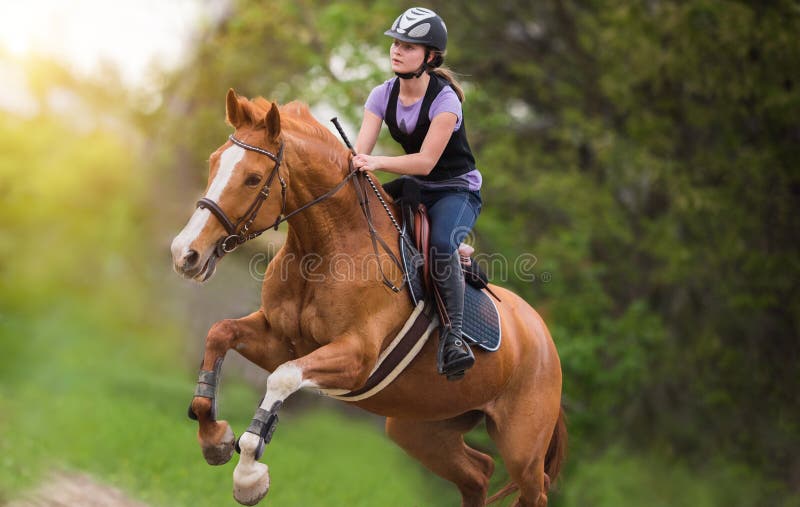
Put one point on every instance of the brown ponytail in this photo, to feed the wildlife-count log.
(447, 74)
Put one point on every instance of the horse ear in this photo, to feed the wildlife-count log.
(273, 122)
(233, 109)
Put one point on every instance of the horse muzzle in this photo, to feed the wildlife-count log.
(193, 265)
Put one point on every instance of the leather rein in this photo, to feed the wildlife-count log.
(239, 232)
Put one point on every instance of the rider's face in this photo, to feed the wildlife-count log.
(405, 56)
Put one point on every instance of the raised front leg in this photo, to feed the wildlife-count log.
(343, 364)
(251, 337)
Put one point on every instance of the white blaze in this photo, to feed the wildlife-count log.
(227, 163)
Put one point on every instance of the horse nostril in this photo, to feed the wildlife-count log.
(190, 259)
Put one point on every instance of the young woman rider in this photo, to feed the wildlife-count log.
(422, 109)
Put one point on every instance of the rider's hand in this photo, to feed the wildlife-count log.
(364, 162)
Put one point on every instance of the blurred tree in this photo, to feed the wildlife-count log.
(658, 144)
(290, 50)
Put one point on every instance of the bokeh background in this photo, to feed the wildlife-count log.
(645, 152)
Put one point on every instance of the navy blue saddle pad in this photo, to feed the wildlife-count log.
(481, 319)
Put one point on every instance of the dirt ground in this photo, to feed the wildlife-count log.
(74, 490)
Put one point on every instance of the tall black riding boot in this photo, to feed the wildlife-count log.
(455, 356)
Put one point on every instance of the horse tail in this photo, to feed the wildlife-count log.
(504, 492)
(553, 460)
(557, 450)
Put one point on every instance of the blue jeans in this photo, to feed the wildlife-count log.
(452, 214)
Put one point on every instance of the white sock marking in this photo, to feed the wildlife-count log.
(287, 379)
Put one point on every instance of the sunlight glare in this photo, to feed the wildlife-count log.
(131, 34)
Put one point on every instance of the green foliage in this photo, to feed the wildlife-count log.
(653, 149)
(71, 214)
(619, 478)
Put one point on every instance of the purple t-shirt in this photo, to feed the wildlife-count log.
(445, 102)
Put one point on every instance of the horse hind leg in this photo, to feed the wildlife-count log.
(526, 443)
(440, 446)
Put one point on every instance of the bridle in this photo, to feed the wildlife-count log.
(239, 232)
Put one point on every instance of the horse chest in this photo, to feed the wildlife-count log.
(314, 324)
(305, 326)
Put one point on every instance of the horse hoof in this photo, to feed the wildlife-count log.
(219, 454)
(250, 487)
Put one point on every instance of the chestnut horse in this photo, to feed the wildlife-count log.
(326, 332)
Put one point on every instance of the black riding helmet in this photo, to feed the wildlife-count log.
(418, 25)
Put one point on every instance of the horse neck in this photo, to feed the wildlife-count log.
(336, 225)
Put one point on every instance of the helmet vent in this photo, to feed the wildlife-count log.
(420, 30)
(413, 16)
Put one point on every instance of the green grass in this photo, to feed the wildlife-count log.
(620, 477)
(86, 388)
(77, 393)
(103, 395)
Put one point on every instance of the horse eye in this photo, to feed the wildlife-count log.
(252, 180)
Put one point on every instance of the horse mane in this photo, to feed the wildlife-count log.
(296, 115)
(297, 122)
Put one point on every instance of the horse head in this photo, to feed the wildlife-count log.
(243, 173)
(249, 180)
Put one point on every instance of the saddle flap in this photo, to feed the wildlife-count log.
(422, 241)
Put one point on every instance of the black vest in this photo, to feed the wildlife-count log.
(457, 156)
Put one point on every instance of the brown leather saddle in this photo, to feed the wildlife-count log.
(420, 227)
(421, 230)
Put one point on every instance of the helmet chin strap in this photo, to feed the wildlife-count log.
(418, 72)
(411, 75)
